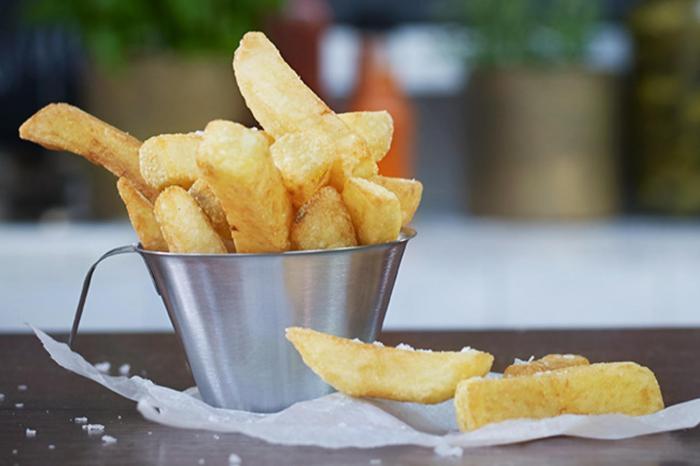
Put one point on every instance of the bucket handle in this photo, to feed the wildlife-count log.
(86, 286)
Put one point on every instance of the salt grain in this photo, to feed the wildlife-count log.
(378, 343)
(446, 450)
(22, 388)
(149, 433)
(52, 447)
(108, 440)
(30, 433)
(94, 428)
(234, 459)
(124, 369)
(201, 461)
(519, 362)
(466, 349)
(103, 367)
(375, 461)
(80, 420)
(2, 397)
(216, 437)
(14, 452)
(19, 405)
(405, 347)
(119, 416)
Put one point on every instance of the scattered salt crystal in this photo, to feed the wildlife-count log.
(124, 369)
(80, 420)
(405, 347)
(2, 397)
(446, 450)
(519, 362)
(14, 452)
(375, 461)
(94, 428)
(199, 132)
(103, 366)
(357, 340)
(149, 432)
(30, 433)
(52, 447)
(22, 388)
(19, 405)
(466, 349)
(201, 461)
(216, 437)
(234, 459)
(568, 356)
(378, 343)
(108, 440)
(119, 416)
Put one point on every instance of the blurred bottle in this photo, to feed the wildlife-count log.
(378, 89)
(297, 32)
(666, 106)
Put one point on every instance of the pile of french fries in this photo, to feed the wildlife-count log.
(553, 385)
(307, 180)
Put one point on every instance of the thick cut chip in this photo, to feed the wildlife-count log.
(207, 201)
(184, 225)
(375, 211)
(304, 160)
(376, 128)
(140, 211)
(618, 387)
(235, 162)
(409, 193)
(169, 159)
(323, 223)
(67, 128)
(550, 362)
(283, 104)
(372, 370)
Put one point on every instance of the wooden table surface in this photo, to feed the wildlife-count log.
(54, 396)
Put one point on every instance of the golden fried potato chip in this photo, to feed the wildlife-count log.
(409, 193)
(283, 104)
(550, 362)
(304, 160)
(375, 211)
(140, 211)
(618, 387)
(376, 128)
(169, 159)
(373, 370)
(323, 223)
(67, 128)
(207, 201)
(184, 225)
(235, 162)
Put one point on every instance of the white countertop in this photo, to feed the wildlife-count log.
(457, 273)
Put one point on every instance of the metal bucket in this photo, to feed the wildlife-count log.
(230, 312)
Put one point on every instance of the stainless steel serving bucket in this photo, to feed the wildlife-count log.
(230, 312)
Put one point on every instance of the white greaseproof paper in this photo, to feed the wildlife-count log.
(340, 421)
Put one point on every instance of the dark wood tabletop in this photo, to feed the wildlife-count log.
(53, 396)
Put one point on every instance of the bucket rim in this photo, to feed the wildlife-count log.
(407, 233)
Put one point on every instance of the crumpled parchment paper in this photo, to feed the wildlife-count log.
(340, 421)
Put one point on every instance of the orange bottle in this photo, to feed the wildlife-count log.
(377, 89)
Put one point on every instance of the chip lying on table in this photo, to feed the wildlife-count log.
(308, 180)
(373, 370)
(604, 388)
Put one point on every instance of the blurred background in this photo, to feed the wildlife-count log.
(558, 142)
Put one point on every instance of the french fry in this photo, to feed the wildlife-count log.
(283, 104)
(304, 160)
(376, 128)
(550, 362)
(140, 211)
(375, 211)
(235, 162)
(618, 387)
(207, 201)
(169, 159)
(323, 223)
(409, 193)
(67, 128)
(370, 370)
(184, 225)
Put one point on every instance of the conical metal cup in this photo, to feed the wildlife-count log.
(230, 312)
